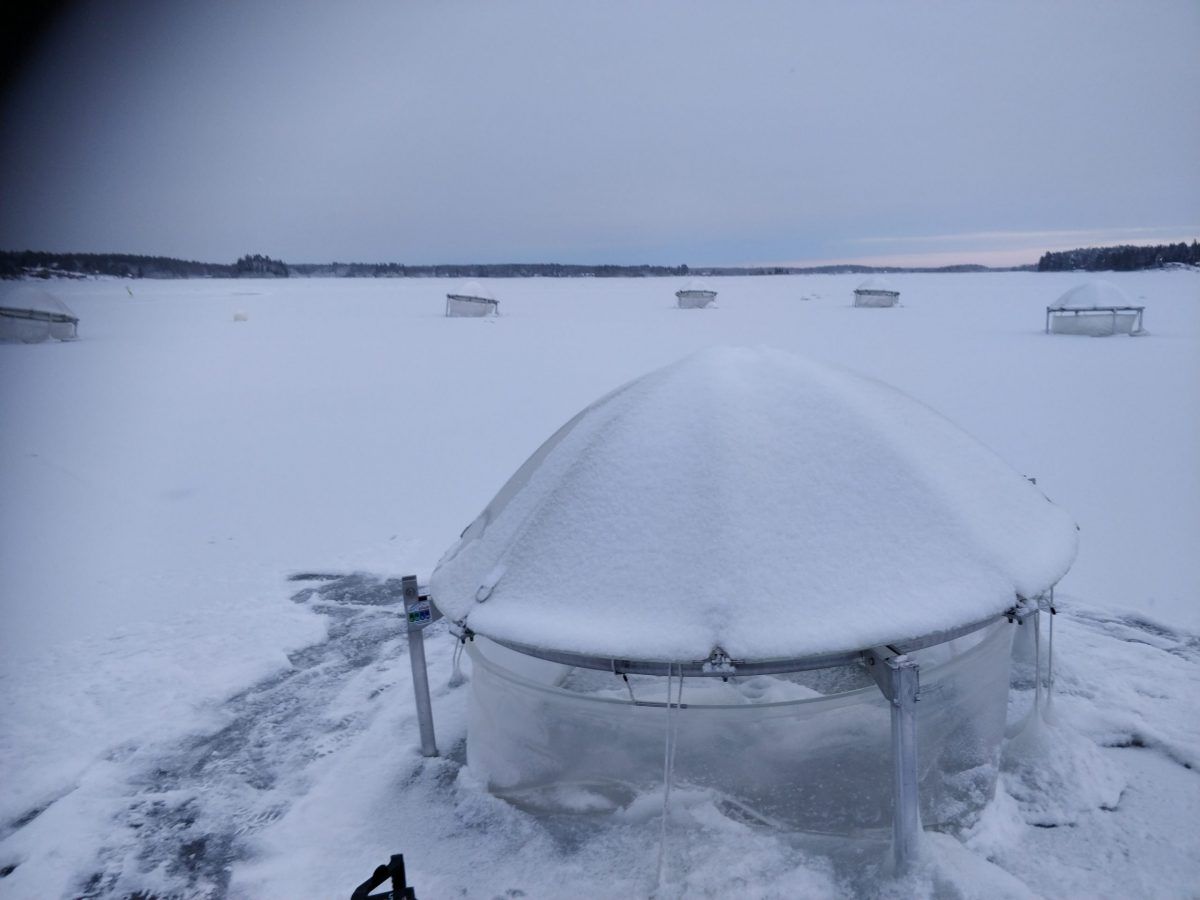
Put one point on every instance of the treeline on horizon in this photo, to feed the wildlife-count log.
(36, 264)
(39, 264)
(1122, 258)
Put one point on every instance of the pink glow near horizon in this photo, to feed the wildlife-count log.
(996, 256)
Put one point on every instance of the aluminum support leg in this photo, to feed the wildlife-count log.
(899, 679)
(906, 799)
(416, 656)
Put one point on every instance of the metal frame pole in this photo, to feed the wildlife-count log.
(906, 799)
(899, 678)
(419, 615)
(1035, 618)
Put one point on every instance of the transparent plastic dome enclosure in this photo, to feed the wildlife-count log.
(808, 751)
(31, 315)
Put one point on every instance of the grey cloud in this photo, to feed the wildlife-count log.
(596, 132)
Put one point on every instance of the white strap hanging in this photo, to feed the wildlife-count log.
(668, 767)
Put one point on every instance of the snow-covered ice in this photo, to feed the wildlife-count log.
(179, 718)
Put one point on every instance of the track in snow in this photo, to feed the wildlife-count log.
(190, 810)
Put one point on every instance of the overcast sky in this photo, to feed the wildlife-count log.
(660, 132)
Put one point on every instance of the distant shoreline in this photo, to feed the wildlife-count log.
(39, 264)
(25, 264)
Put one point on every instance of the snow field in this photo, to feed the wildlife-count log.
(161, 477)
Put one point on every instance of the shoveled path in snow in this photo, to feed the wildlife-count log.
(190, 811)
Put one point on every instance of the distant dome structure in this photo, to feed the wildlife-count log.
(1095, 308)
(784, 546)
(472, 300)
(30, 315)
(695, 294)
(876, 292)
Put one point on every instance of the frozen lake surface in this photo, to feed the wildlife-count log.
(179, 718)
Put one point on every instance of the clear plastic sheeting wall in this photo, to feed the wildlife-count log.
(875, 299)
(30, 315)
(809, 751)
(471, 307)
(24, 327)
(1098, 323)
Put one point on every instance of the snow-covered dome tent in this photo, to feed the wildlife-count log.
(1095, 308)
(30, 315)
(876, 292)
(778, 555)
(472, 299)
(695, 294)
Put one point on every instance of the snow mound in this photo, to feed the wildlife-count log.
(755, 501)
(1092, 294)
(474, 289)
(877, 283)
(1057, 774)
(34, 299)
(696, 284)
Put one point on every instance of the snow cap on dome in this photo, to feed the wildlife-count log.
(755, 501)
(32, 297)
(877, 283)
(1091, 294)
(474, 289)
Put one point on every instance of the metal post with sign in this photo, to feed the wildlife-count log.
(420, 614)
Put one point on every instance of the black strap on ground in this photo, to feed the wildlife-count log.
(393, 870)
